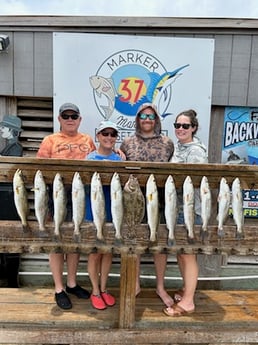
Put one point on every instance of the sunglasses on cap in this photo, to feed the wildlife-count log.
(112, 134)
(184, 125)
(67, 116)
(144, 116)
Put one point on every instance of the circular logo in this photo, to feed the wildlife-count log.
(127, 79)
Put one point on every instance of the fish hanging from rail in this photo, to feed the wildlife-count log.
(205, 195)
(188, 207)
(40, 201)
(170, 208)
(237, 207)
(78, 205)
(59, 200)
(117, 205)
(134, 205)
(152, 207)
(98, 204)
(21, 198)
(223, 205)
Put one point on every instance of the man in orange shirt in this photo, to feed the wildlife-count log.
(66, 144)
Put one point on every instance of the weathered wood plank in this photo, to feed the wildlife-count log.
(41, 22)
(248, 174)
(221, 317)
(14, 240)
(127, 289)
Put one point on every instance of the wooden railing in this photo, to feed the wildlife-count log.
(14, 240)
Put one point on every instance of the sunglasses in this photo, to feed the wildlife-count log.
(184, 125)
(111, 134)
(73, 116)
(144, 116)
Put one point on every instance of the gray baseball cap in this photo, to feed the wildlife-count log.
(69, 106)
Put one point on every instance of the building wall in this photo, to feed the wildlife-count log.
(27, 68)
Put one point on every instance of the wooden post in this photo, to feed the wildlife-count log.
(127, 289)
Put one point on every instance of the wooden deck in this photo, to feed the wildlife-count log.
(30, 316)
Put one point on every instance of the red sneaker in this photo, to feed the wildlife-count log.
(108, 298)
(97, 302)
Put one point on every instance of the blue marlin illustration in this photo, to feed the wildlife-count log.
(158, 89)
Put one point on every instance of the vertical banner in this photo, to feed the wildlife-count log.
(240, 139)
(110, 76)
(240, 146)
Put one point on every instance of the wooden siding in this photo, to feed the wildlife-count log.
(27, 68)
(37, 122)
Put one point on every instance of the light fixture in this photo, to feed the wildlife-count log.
(4, 42)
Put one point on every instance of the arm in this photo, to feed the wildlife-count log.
(44, 149)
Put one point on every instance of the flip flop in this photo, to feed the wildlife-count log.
(177, 311)
(178, 295)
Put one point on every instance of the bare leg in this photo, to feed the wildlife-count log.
(106, 262)
(160, 261)
(72, 261)
(189, 266)
(56, 262)
(94, 261)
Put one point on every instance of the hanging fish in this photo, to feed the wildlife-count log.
(152, 205)
(188, 207)
(134, 205)
(98, 205)
(170, 208)
(21, 198)
(117, 208)
(59, 200)
(223, 205)
(78, 204)
(205, 195)
(40, 200)
(237, 207)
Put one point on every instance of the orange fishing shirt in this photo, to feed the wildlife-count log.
(60, 145)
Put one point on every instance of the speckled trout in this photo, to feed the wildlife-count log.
(40, 199)
(98, 205)
(78, 204)
(170, 208)
(205, 195)
(152, 206)
(237, 207)
(59, 200)
(20, 198)
(223, 204)
(188, 207)
(117, 204)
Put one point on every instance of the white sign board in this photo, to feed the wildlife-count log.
(110, 76)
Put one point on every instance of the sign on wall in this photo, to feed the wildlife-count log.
(240, 146)
(110, 76)
(240, 139)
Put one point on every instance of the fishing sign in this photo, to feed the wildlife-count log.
(109, 76)
(240, 139)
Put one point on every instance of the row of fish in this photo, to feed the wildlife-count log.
(128, 204)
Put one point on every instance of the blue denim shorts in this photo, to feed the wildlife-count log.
(180, 219)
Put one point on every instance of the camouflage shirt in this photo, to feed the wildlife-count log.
(158, 148)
